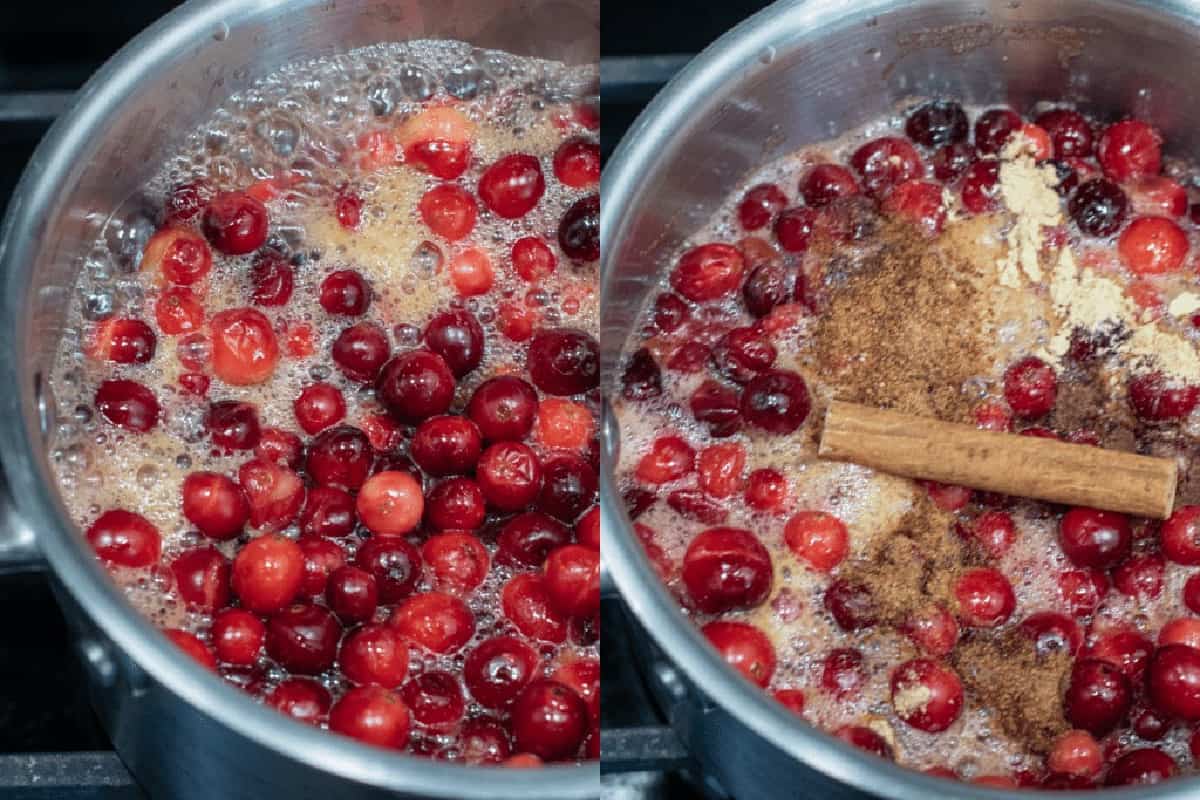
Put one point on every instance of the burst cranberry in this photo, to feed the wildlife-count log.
(842, 672)
(235, 223)
(351, 593)
(925, 695)
(564, 361)
(347, 207)
(742, 353)
(214, 504)
(436, 621)
(994, 128)
(985, 598)
(1152, 246)
(303, 638)
(122, 341)
(933, 630)
(695, 505)
(187, 200)
(178, 310)
(457, 337)
(373, 715)
(526, 603)
(776, 402)
(825, 183)
(549, 720)
(532, 259)
(128, 405)
(1140, 577)
(238, 637)
(937, 123)
(415, 385)
(720, 469)
(569, 487)
(328, 511)
(459, 561)
(1098, 207)
(340, 457)
(435, 699)
(980, 187)
(1127, 650)
(726, 568)
(498, 669)
(577, 163)
(1093, 538)
(125, 538)
(360, 351)
(509, 475)
(233, 425)
(1097, 696)
(374, 655)
(390, 504)
(884, 163)
(743, 647)
(528, 538)
(1030, 387)
(483, 741)
(503, 408)
(865, 739)
(951, 161)
(1129, 149)
(1069, 132)
(760, 205)
(579, 229)
(794, 228)
(275, 494)
(202, 577)
(437, 141)
(708, 272)
(819, 539)
(1141, 767)
(449, 211)
(512, 186)
(1155, 401)
(272, 279)
(1173, 681)
(267, 573)
(393, 562)
(1157, 196)
(244, 348)
(1051, 632)
(453, 504)
(572, 580)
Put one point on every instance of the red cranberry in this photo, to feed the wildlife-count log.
(202, 578)
(373, 715)
(582, 675)
(532, 259)
(238, 636)
(318, 407)
(458, 560)
(995, 532)
(850, 604)
(1141, 767)
(510, 475)
(549, 720)
(693, 504)
(794, 228)
(233, 425)
(503, 408)
(642, 379)
(690, 357)
(1191, 594)
(340, 457)
(1098, 207)
(1173, 681)
(214, 504)
(446, 445)
(123, 341)
(825, 183)
(760, 205)
(742, 353)
(919, 203)
(981, 186)
(817, 538)
(569, 487)
(457, 337)
(512, 186)
(1154, 401)
(579, 229)
(1030, 387)
(498, 669)
(235, 223)
(865, 739)
(994, 128)
(1157, 196)
(985, 598)
(435, 699)
(743, 647)
(301, 698)
(884, 163)
(393, 562)
(178, 311)
(390, 503)
(187, 200)
(564, 361)
(415, 385)
(1097, 697)
(375, 655)
(670, 312)
(352, 594)
(726, 568)
(937, 123)
(345, 292)
(1149, 724)
(321, 558)
(1093, 538)
(191, 644)
(1069, 132)
(951, 161)
(347, 207)
(483, 741)
(1129, 149)
(1126, 650)
(927, 696)
(328, 511)
(1152, 246)
(449, 211)
(1140, 577)
(708, 272)
(128, 405)
(572, 580)
(453, 504)
(441, 623)
(933, 630)
(360, 351)
(268, 573)
(303, 638)
(768, 286)
(125, 538)
(528, 538)
(526, 603)
(245, 349)
(577, 163)
(842, 673)
(718, 407)
(273, 280)
(776, 402)
(1052, 632)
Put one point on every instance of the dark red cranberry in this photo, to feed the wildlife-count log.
(690, 357)
(233, 425)
(851, 604)
(415, 385)
(510, 475)
(345, 292)
(128, 405)
(695, 505)
(457, 337)
(125, 538)
(360, 351)
(503, 408)
(498, 669)
(1052, 632)
(718, 407)
(569, 487)
(1173, 681)
(1149, 724)
(202, 578)
(340, 457)
(455, 504)
(1098, 207)
(435, 699)
(865, 739)
(273, 280)
(321, 558)
(564, 361)
(951, 161)
(1097, 697)
(1140, 577)
(769, 285)
(642, 378)
(726, 568)
(825, 183)
(1154, 400)
(760, 205)
(937, 123)
(993, 129)
(981, 186)
(884, 163)
(743, 353)
(579, 230)
(328, 511)
(549, 720)
(319, 406)
(528, 538)
(303, 638)
(776, 402)
(446, 445)
(352, 593)
(512, 186)
(1094, 538)
(1069, 132)
(235, 223)
(670, 311)
(794, 228)
(394, 563)
(187, 200)
(1141, 767)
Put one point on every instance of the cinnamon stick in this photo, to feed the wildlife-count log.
(1022, 466)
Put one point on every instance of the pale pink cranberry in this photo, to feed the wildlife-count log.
(925, 695)
(817, 538)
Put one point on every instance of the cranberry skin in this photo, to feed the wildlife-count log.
(503, 408)
(454, 504)
(437, 621)
(345, 293)
(512, 186)
(340, 457)
(202, 578)
(1173, 681)
(268, 573)
(1142, 767)
(579, 230)
(850, 604)
(993, 129)
(375, 655)
(549, 720)
(1069, 132)
(769, 285)
(1098, 207)
(360, 351)
(937, 123)
(215, 504)
(393, 562)
(1097, 697)
(884, 163)
(273, 280)
(825, 183)
(233, 425)
(759, 206)
(328, 512)
(718, 407)
(564, 361)
(743, 647)
(865, 739)
(238, 636)
(373, 715)
(415, 385)
(352, 593)
(776, 402)
(1180, 535)
(1051, 632)
(319, 406)
(726, 568)
(125, 538)
(498, 669)
(1129, 149)
(1154, 401)
(235, 223)
(940, 690)
(435, 699)
(985, 598)
(128, 405)
(1030, 387)
(951, 161)
(303, 638)
(528, 538)
(302, 699)
(572, 580)
(569, 487)
(708, 272)
(509, 475)
(642, 378)
(1094, 538)
(457, 337)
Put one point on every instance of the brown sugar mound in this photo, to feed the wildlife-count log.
(903, 330)
(1023, 688)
